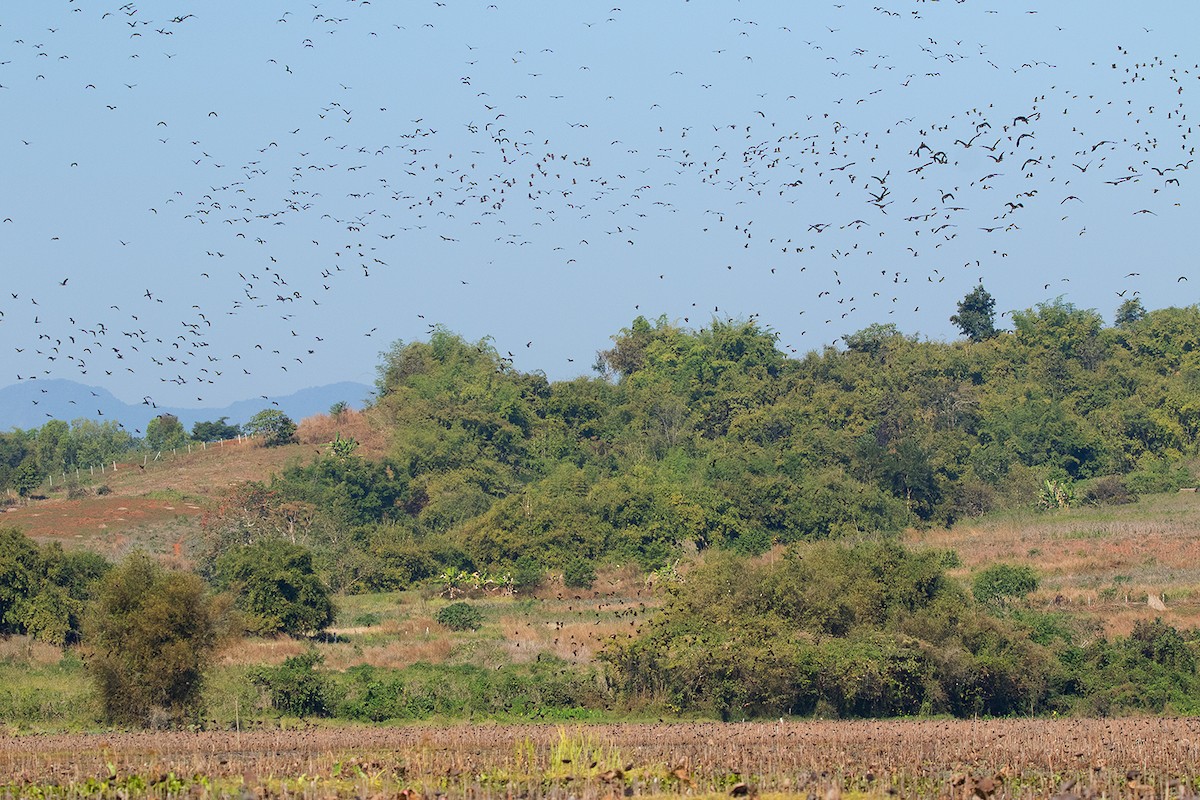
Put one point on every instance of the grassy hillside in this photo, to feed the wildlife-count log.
(1102, 563)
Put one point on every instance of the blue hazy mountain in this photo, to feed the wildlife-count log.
(30, 404)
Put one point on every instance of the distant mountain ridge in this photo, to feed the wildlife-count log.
(31, 404)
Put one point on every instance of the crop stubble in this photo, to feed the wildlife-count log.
(1138, 757)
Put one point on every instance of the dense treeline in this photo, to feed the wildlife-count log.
(714, 438)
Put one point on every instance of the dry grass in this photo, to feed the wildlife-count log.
(25, 650)
(361, 426)
(944, 759)
(1101, 562)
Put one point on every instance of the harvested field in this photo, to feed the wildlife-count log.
(955, 759)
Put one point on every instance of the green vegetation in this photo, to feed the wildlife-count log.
(150, 637)
(762, 494)
(165, 432)
(215, 431)
(1002, 581)
(872, 630)
(459, 617)
(276, 427)
(275, 588)
(43, 589)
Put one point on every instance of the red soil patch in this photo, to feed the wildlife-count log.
(95, 517)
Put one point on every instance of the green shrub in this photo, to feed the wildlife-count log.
(460, 617)
(1154, 474)
(151, 635)
(296, 687)
(1002, 581)
(527, 573)
(579, 573)
(274, 583)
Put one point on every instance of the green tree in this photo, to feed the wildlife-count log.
(150, 635)
(98, 442)
(1129, 313)
(215, 431)
(43, 590)
(54, 447)
(20, 569)
(27, 477)
(276, 587)
(165, 432)
(976, 316)
(276, 427)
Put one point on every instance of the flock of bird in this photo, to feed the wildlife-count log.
(221, 197)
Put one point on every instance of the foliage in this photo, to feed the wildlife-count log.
(150, 635)
(864, 630)
(1129, 313)
(342, 448)
(712, 438)
(546, 687)
(1110, 490)
(459, 617)
(999, 582)
(976, 316)
(165, 432)
(276, 427)
(276, 588)
(215, 431)
(296, 686)
(1056, 494)
(579, 573)
(43, 590)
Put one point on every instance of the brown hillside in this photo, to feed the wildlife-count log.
(154, 506)
(1109, 563)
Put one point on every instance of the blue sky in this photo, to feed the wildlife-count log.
(251, 198)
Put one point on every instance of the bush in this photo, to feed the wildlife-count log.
(1002, 581)
(150, 636)
(277, 588)
(527, 573)
(296, 687)
(273, 425)
(460, 617)
(1109, 491)
(579, 574)
(1155, 475)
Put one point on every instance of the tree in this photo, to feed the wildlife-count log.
(276, 587)
(337, 409)
(26, 478)
(976, 316)
(215, 431)
(276, 427)
(165, 432)
(1129, 312)
(150, 636)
